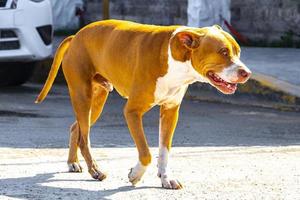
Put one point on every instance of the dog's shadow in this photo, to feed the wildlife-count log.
(34, 187)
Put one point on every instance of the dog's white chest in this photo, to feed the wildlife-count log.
(171, 87)
(169, 91)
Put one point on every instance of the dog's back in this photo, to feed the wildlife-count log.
(122, 51)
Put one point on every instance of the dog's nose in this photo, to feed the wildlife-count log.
(243, 73)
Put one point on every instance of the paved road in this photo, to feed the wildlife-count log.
(221, 151)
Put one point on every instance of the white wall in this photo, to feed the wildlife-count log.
(64, 13)
(208, 12)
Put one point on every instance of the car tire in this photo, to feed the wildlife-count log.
(13, 74)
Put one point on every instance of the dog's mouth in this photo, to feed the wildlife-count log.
(222, 85)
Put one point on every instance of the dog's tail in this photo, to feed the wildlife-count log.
(63, 47)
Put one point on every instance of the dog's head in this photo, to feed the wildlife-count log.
(213, 53)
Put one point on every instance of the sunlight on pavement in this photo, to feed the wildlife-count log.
(206, 172)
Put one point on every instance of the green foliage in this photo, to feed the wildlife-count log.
(288, 39)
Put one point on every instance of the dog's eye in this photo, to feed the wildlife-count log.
(224, 52)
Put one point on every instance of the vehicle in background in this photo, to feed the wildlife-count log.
(26, 33)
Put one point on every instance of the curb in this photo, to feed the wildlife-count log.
(277, 85)
(261, 90)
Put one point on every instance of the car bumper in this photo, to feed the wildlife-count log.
(25, 22)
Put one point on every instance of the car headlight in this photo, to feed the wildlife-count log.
(13, 4)
(37, 0)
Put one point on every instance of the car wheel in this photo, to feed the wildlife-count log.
(13, 74)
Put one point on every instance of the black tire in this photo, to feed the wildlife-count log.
(13, 74)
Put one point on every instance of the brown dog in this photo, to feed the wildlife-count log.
(148, 65)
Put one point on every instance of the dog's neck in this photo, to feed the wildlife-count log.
(182, 73)
(171, 87)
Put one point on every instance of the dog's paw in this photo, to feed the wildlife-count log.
(74, 167)
(136, 173)
(97, 174)
(170, 184)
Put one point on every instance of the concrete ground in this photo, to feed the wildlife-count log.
(221, 151)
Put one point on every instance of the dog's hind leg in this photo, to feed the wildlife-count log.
(73, 162)
(85, 109)
(98, 100)
(101, 90)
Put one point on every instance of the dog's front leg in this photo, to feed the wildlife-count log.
(133, 112)
(167, 125)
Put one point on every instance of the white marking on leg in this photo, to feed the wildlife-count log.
(136, 173)
(162, 165)
(162, 162)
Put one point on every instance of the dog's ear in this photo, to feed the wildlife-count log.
(189, 39)
(184, 43)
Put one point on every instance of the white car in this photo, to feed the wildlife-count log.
(26, 33)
